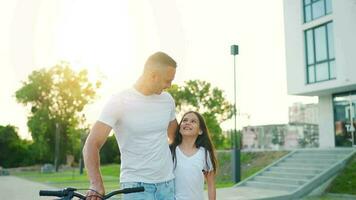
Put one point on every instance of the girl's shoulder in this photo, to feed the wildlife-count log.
(203, 150)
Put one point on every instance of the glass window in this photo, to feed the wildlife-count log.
(320, 58)
(311, 74)
(320, 44)
(310, 48)
(328, 6)
(318, 9)
(344, 116)
(330, 40)
(322, 72)
(307, 13)
(315, 9)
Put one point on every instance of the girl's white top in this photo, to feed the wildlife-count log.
(189, 178)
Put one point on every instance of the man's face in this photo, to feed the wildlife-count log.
(163, 79)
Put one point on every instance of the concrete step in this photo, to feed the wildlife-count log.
(308, 160)
(303, 165)
(273, 186)
(287, 175)
(296, 173)
(295, 170)
(318, 156)
(289, 181)
(334, 151)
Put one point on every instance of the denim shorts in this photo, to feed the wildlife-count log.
(153, 191)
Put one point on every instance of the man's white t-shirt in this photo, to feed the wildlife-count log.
(140, 123)
(189, 178)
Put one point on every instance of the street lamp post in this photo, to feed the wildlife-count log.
(236, 153)
(83, 136)
(57, 153)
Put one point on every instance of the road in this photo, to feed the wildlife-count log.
(16, 188)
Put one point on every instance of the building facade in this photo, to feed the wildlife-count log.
(280, 136)
(303, 113)
(321, 61)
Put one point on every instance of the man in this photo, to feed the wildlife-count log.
(141, 117)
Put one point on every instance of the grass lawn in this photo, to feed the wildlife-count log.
(330, 197)
(322, 198)
(345, 182)
(72, 178)
(251, 162)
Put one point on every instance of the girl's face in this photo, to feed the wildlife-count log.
(190, 125)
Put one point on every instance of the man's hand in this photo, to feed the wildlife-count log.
(95, 192)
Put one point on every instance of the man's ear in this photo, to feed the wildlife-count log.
(152, 75)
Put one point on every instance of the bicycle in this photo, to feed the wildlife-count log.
(69, 193)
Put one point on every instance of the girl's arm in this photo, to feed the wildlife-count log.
(210, 180)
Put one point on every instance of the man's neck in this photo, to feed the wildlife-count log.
(142, 86)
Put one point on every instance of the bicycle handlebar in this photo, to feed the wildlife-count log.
(124, 191)
(70, 192)
(60, 193)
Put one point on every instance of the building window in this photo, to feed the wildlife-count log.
(345, 118)
(320, 58)
(314, 9)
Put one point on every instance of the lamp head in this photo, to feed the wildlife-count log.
(234, 49)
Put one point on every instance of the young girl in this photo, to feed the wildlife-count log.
(194, 158)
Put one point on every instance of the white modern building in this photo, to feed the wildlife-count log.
(320, 37)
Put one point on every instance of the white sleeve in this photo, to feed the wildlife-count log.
(111, 112)
(210, 167)
(173, 109)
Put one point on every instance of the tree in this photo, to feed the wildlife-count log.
(56, 95)
(199, 96)
(13, 149)
(110, 152)
(277, 136)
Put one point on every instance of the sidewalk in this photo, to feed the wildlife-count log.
(245, 193)
(249, 193)
(15, 188)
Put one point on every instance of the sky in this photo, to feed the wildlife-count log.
(112, 39)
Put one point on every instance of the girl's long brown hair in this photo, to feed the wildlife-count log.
(203, 140)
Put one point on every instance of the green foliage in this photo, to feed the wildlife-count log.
(56, 95)
(311, 140)
(277, 137)
(233, 139)
(200, 96)
(13, 150)
(251, 162)
(345, 182)
(110, 152)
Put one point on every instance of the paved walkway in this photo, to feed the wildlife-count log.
(15, 188)
(245, 193)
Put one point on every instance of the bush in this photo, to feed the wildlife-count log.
(110, 152)
(14, 151)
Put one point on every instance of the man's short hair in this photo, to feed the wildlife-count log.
(161, 60)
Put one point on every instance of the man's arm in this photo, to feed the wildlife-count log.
(93, 144)
(171, 131)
